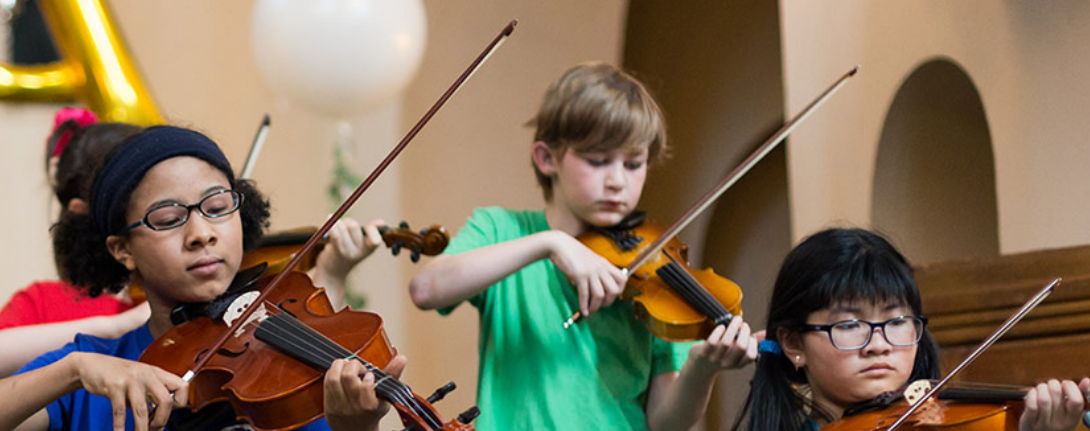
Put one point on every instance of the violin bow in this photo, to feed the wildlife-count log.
(984, 345)
(255, 149)
(728, 181)
(313, 241)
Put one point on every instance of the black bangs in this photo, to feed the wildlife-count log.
(840, 266)
(868, 275)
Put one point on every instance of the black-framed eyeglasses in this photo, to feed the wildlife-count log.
(173, 215)
(855, 334)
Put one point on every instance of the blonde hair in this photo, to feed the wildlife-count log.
(598, 107)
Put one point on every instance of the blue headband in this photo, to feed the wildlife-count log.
(120, 175)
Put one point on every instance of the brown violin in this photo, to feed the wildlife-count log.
(279, 248)
(960, 407)
(272, 370)
(675, 301)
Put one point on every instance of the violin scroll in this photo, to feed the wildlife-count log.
(429, 242)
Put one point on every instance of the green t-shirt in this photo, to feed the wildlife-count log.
(537, 375)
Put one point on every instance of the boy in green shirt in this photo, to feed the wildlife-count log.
(597, 130)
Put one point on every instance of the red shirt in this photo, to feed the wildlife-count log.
(56, 301)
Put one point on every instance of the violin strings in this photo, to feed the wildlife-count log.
(391, 389)
(335, 351)
(285, 331)
(293, 327)
(697, 295)
(693, 292)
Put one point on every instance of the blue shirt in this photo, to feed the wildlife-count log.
(80, 410)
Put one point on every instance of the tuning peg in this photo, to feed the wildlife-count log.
(404, 224)
(415, 257)
(395, 248)
(469, 415)
(441, 392)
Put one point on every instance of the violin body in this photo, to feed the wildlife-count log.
(659, 304)
(946, 415)
(267, 387)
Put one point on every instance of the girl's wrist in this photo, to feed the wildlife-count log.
(72, 366)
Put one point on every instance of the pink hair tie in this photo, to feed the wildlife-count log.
(82, 117)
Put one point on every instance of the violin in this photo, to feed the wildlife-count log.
(264, 347)
(961, 407)
(278, 249)
(675, 301)
(294, 335)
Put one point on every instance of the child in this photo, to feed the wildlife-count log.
(597, 130)
(142, 227)
(817, 360)
(47, 314)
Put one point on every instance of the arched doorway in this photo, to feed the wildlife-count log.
(934, 182)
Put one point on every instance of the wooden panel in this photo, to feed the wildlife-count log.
(966, 300)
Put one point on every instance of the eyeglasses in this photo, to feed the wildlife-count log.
(854, 334)
(173, 215)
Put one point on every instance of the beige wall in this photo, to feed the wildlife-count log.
(1027, 59)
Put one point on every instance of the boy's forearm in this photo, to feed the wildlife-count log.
(682, 399)
(450, 279)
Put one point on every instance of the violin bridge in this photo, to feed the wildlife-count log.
(239, 306)
(915, 391)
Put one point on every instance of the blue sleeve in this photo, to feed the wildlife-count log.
(57, 409)
(479, 231)
(48, 358)
(318, 425)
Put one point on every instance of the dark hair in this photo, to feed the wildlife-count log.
(835, 265)
(598, 107)
(84, 260)
(86, 150)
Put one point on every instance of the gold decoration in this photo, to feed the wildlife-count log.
(95, 66)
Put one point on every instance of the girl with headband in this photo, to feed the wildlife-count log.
(49, 313)
(166, 212)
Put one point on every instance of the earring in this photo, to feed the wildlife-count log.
(797, 359)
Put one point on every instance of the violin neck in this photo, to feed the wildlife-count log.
(982, 394)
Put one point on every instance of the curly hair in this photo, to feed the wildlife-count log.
(88, 147)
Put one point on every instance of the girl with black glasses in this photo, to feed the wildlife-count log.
(845, 325)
